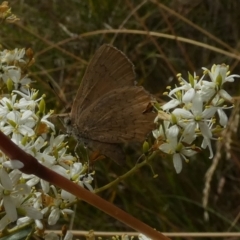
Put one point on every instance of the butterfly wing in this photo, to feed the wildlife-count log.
(108, 69)
(108, 109)
(112, 150)
(117, 117)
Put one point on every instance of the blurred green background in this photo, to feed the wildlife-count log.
(65, 34)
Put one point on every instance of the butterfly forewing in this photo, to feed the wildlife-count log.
(109, 69)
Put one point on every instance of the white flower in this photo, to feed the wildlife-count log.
(25, 104)
(27, 208)
(23, 119)
(57, 207)
(19, 125)
(27, 220)
(176, 148)
(86, 180)
(10, 191)
(160, 133)
(29, 95)
(77, 174)
(15, 75)
(222, 71)
(48, 123)
(6, 106)
(219, 76)
(195, 118)
(55, 143)
(11, 56)
(76, 170)
(188, 88)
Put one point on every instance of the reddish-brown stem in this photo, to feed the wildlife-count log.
(32, 166)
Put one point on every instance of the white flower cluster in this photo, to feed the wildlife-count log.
(196, 109)
(23, 119)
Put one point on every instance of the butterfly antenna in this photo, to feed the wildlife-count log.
(56, 93)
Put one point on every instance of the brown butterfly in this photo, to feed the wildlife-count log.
(108, 109)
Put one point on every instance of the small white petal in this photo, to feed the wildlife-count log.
(68, 236)
(173, 131)
(206, 132)
(171, 104)
(88, 186)
(197, 104)
(68, 211)
(54, 216)
(182, 113)
(231, 78)
(5, 180)
(225, 95)
(67, 196)
(4, 222)
(10, 208)
(26, 115)
(189, 133)
(33, 181)
(39, 224)
(44, 185)
(188, 96)
(13, 164)
(15, 175)
(33, 213)
(177, 89)
(209, 112)
(177, 162)
(188, 152)
(166, 147)
(223, 119)
(207, 143)
(26, 131)
(23, 189)
(155, 133)
(23, 220)
(60, 170)
(189, 138)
